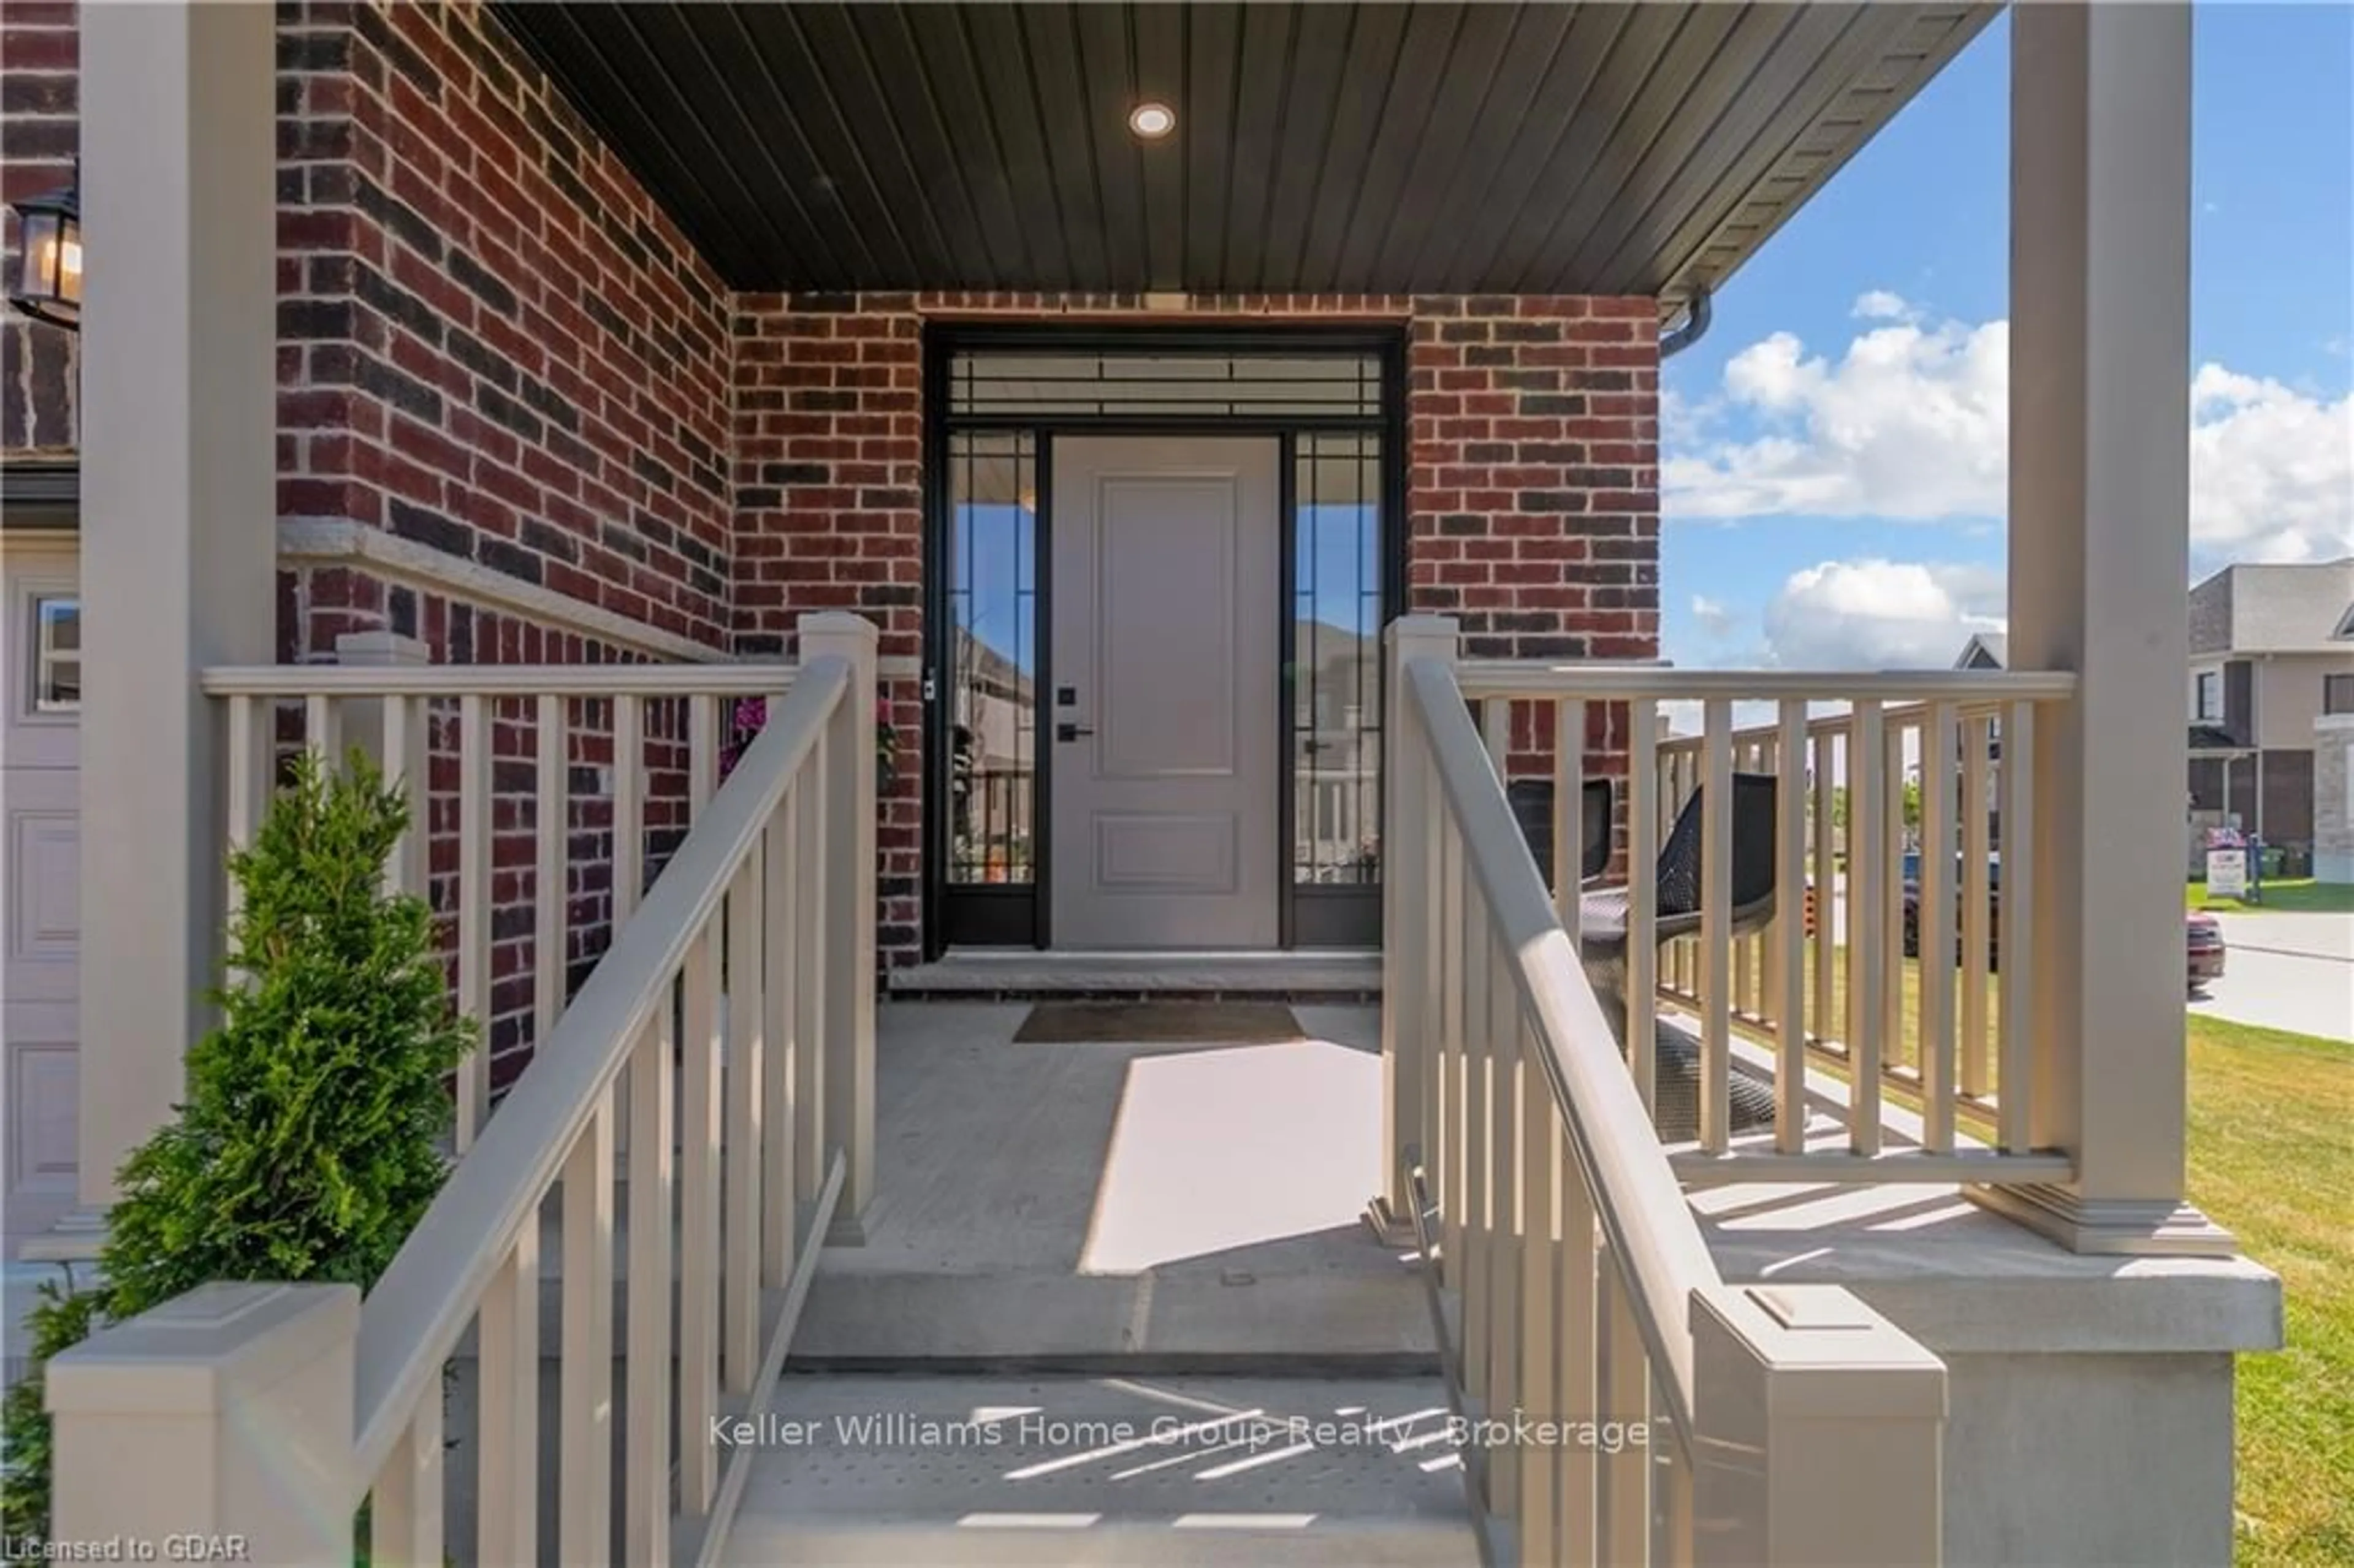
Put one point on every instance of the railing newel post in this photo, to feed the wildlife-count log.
(851, 913)
(1408, 893)
(225, 1412)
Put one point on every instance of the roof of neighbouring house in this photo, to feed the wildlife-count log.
(1985, 651)
(2302, 607)
(2214, 738)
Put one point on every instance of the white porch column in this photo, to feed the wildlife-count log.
(2100, 303)
(178, 542)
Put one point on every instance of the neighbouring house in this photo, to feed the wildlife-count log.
(1159, 429)
(2272, 651)
(2272, 654)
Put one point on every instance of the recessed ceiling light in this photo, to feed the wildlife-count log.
(1152, 121)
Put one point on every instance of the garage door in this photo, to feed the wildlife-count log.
(40, 875)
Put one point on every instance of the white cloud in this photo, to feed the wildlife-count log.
(1911, 422)
(2272, 470)
(1715, 619)
(1877, 614)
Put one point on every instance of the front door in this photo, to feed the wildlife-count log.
(1166, 643)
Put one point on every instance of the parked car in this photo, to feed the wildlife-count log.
(2202, 934)
(2205, 935)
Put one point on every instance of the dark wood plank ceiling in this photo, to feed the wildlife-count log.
(1320, 148)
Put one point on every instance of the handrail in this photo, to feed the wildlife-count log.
(1665, 1256)
(422, 1304)
(490, 680)
(1532, 679)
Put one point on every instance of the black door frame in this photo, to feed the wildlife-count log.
(1015, 915)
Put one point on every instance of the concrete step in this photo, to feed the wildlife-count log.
(1043, 1471)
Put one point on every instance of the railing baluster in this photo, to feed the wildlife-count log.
(1454, 1082)
(1507, 1082)
(1568, 808)
(1789, 961)
(1539, 1264)
(779, 902)
(702, 732)
(645, 1507)
(584, 1495)
(629, 805)
(1429, 920)
(698, 1264)
(1642, 959)
(397, 718)
(813, 858)
(1746, 1003)
(1868, 873)
(474, 859)
(1939, 738)
(404, 1510)
(1478, 1136)
(1716, 930)
(1580, 1367)
(244, 804)
(1625, 1487)
(506, 1525)
(322, 728)
(2014, 1084)
(1828, 902)
(551, 814)
(1977, 891)
(747, 1074)
(1891, 889)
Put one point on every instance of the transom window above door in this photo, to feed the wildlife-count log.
(1238, 386)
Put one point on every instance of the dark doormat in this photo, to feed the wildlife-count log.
(1158, 1024)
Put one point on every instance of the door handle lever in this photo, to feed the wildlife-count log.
(1068, 731)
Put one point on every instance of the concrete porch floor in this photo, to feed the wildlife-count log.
(1073, 1204)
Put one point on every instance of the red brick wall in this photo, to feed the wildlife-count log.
(494, 344)
(39, 136)
(1532, 493)
(491, 340)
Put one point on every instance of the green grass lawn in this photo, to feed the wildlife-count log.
(2293, 896)
(2272, 1159)
(2271, 1153)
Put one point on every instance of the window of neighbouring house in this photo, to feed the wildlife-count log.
(56, 655)
(2207, 707)
(2337, 693)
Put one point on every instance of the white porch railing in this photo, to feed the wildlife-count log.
(1827, 980)
(751, 1128)
(1639, 1408)
(1625, 1382)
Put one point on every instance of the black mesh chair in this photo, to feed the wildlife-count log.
(1602, 944)
(1532, 804)
(1596, 807)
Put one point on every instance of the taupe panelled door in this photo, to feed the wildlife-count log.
(1165, 650)
(40, 818)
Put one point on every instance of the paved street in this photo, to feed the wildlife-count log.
(2287, 971)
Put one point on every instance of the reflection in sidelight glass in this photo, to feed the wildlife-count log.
(1336, 658)
(993, 599)
(56, 655)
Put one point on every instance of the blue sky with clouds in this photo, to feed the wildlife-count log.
(1832, 450)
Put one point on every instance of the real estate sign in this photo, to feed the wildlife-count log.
(2227, 873)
